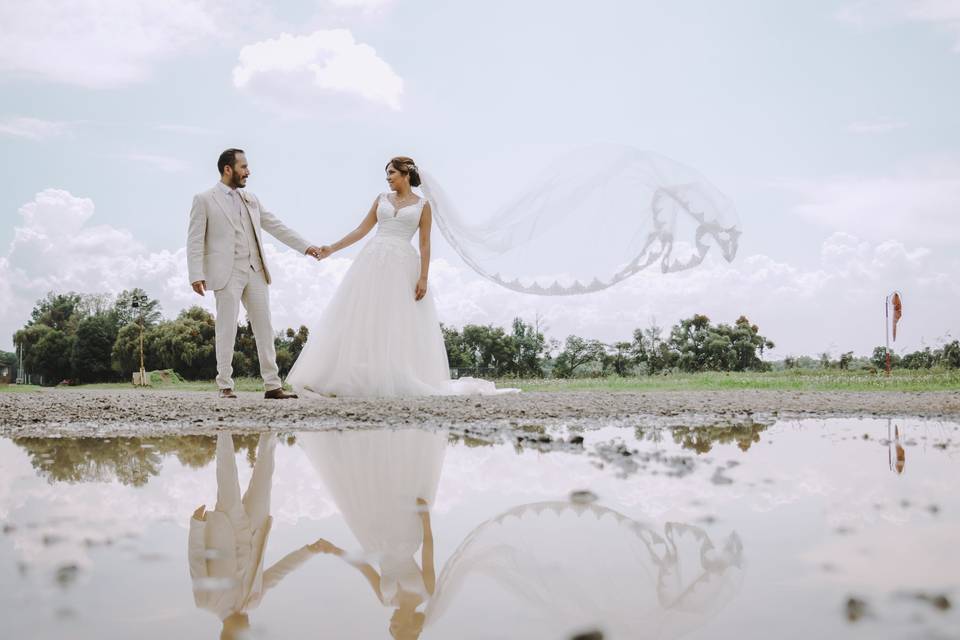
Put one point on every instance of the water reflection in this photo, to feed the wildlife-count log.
(384, 483)
(567, 568)
(557, 567)
(226, 546)
(702, 439)
(896, 454)
(131, 461)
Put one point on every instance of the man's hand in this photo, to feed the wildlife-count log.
(199, 286)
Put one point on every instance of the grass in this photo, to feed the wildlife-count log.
(793, 380)
(18, 388)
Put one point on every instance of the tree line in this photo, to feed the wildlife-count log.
(84, 338)
(88, 338)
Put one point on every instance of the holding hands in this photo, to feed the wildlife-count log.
(319, 252)
(324, 546)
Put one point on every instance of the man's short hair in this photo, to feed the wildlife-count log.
(227, 159)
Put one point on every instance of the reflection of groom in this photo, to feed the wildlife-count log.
(225, 255)
(226, 546)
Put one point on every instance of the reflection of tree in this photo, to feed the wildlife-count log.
(702, 439)
(131, 461)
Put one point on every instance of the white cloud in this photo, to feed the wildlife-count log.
(918, 204)
(163, 163)
(877, 125)
(31, 128)
(300, 75)
(106, 43)
(945, 14)
(834, 306)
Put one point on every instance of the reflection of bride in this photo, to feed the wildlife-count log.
(384, 483)
(554, 567)
(562, 568)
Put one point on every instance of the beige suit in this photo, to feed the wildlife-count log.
(225, 248)
(226, 547)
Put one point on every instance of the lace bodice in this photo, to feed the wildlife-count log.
(399, 223)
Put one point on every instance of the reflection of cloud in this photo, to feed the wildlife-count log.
(298, 74)
(77, 517)
(31, 128)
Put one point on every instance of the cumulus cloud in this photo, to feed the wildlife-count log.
(31, 128)
(107, 43)
(918, 204)
(835, 305)
(299, 75)
(944, 14)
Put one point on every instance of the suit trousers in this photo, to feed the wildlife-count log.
(250, 288)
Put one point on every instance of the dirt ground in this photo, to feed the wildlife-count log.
(71, 412)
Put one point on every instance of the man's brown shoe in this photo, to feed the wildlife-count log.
(279, 394)
(227, 393)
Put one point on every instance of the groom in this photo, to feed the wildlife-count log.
(225, 255)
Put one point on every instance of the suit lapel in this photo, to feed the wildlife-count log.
(224, 205)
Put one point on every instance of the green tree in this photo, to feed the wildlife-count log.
(458, 354)
(949, 356)
(186, 344)
(90, 357)
(491, 347)
(530, 346)
(58, 311)
(46, 351)
(577, 352)
(126, 312)
(845, 360)
(879, 358)
(618, 358)
(918, 359)
(125, 354)
(650, 350)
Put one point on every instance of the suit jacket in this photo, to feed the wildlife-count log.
(211, 236)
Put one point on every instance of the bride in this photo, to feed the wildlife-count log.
(380, 335)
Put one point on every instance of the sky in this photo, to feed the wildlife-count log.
(834, 127)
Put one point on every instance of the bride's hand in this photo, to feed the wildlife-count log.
(421, 288)
(324, 252)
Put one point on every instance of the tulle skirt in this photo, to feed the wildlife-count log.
(375, 339)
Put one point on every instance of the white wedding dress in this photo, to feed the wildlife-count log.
(374, 338)
(375, 479)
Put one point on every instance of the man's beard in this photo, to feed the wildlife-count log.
(236, 181)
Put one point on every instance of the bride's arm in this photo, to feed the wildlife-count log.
(426, 556)
(426, 220)
(368, 223)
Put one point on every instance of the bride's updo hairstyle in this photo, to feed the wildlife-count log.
(407, 167)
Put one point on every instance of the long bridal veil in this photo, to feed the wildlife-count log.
(560, 567)
(594, 218)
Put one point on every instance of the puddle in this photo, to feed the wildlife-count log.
(812, 528)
